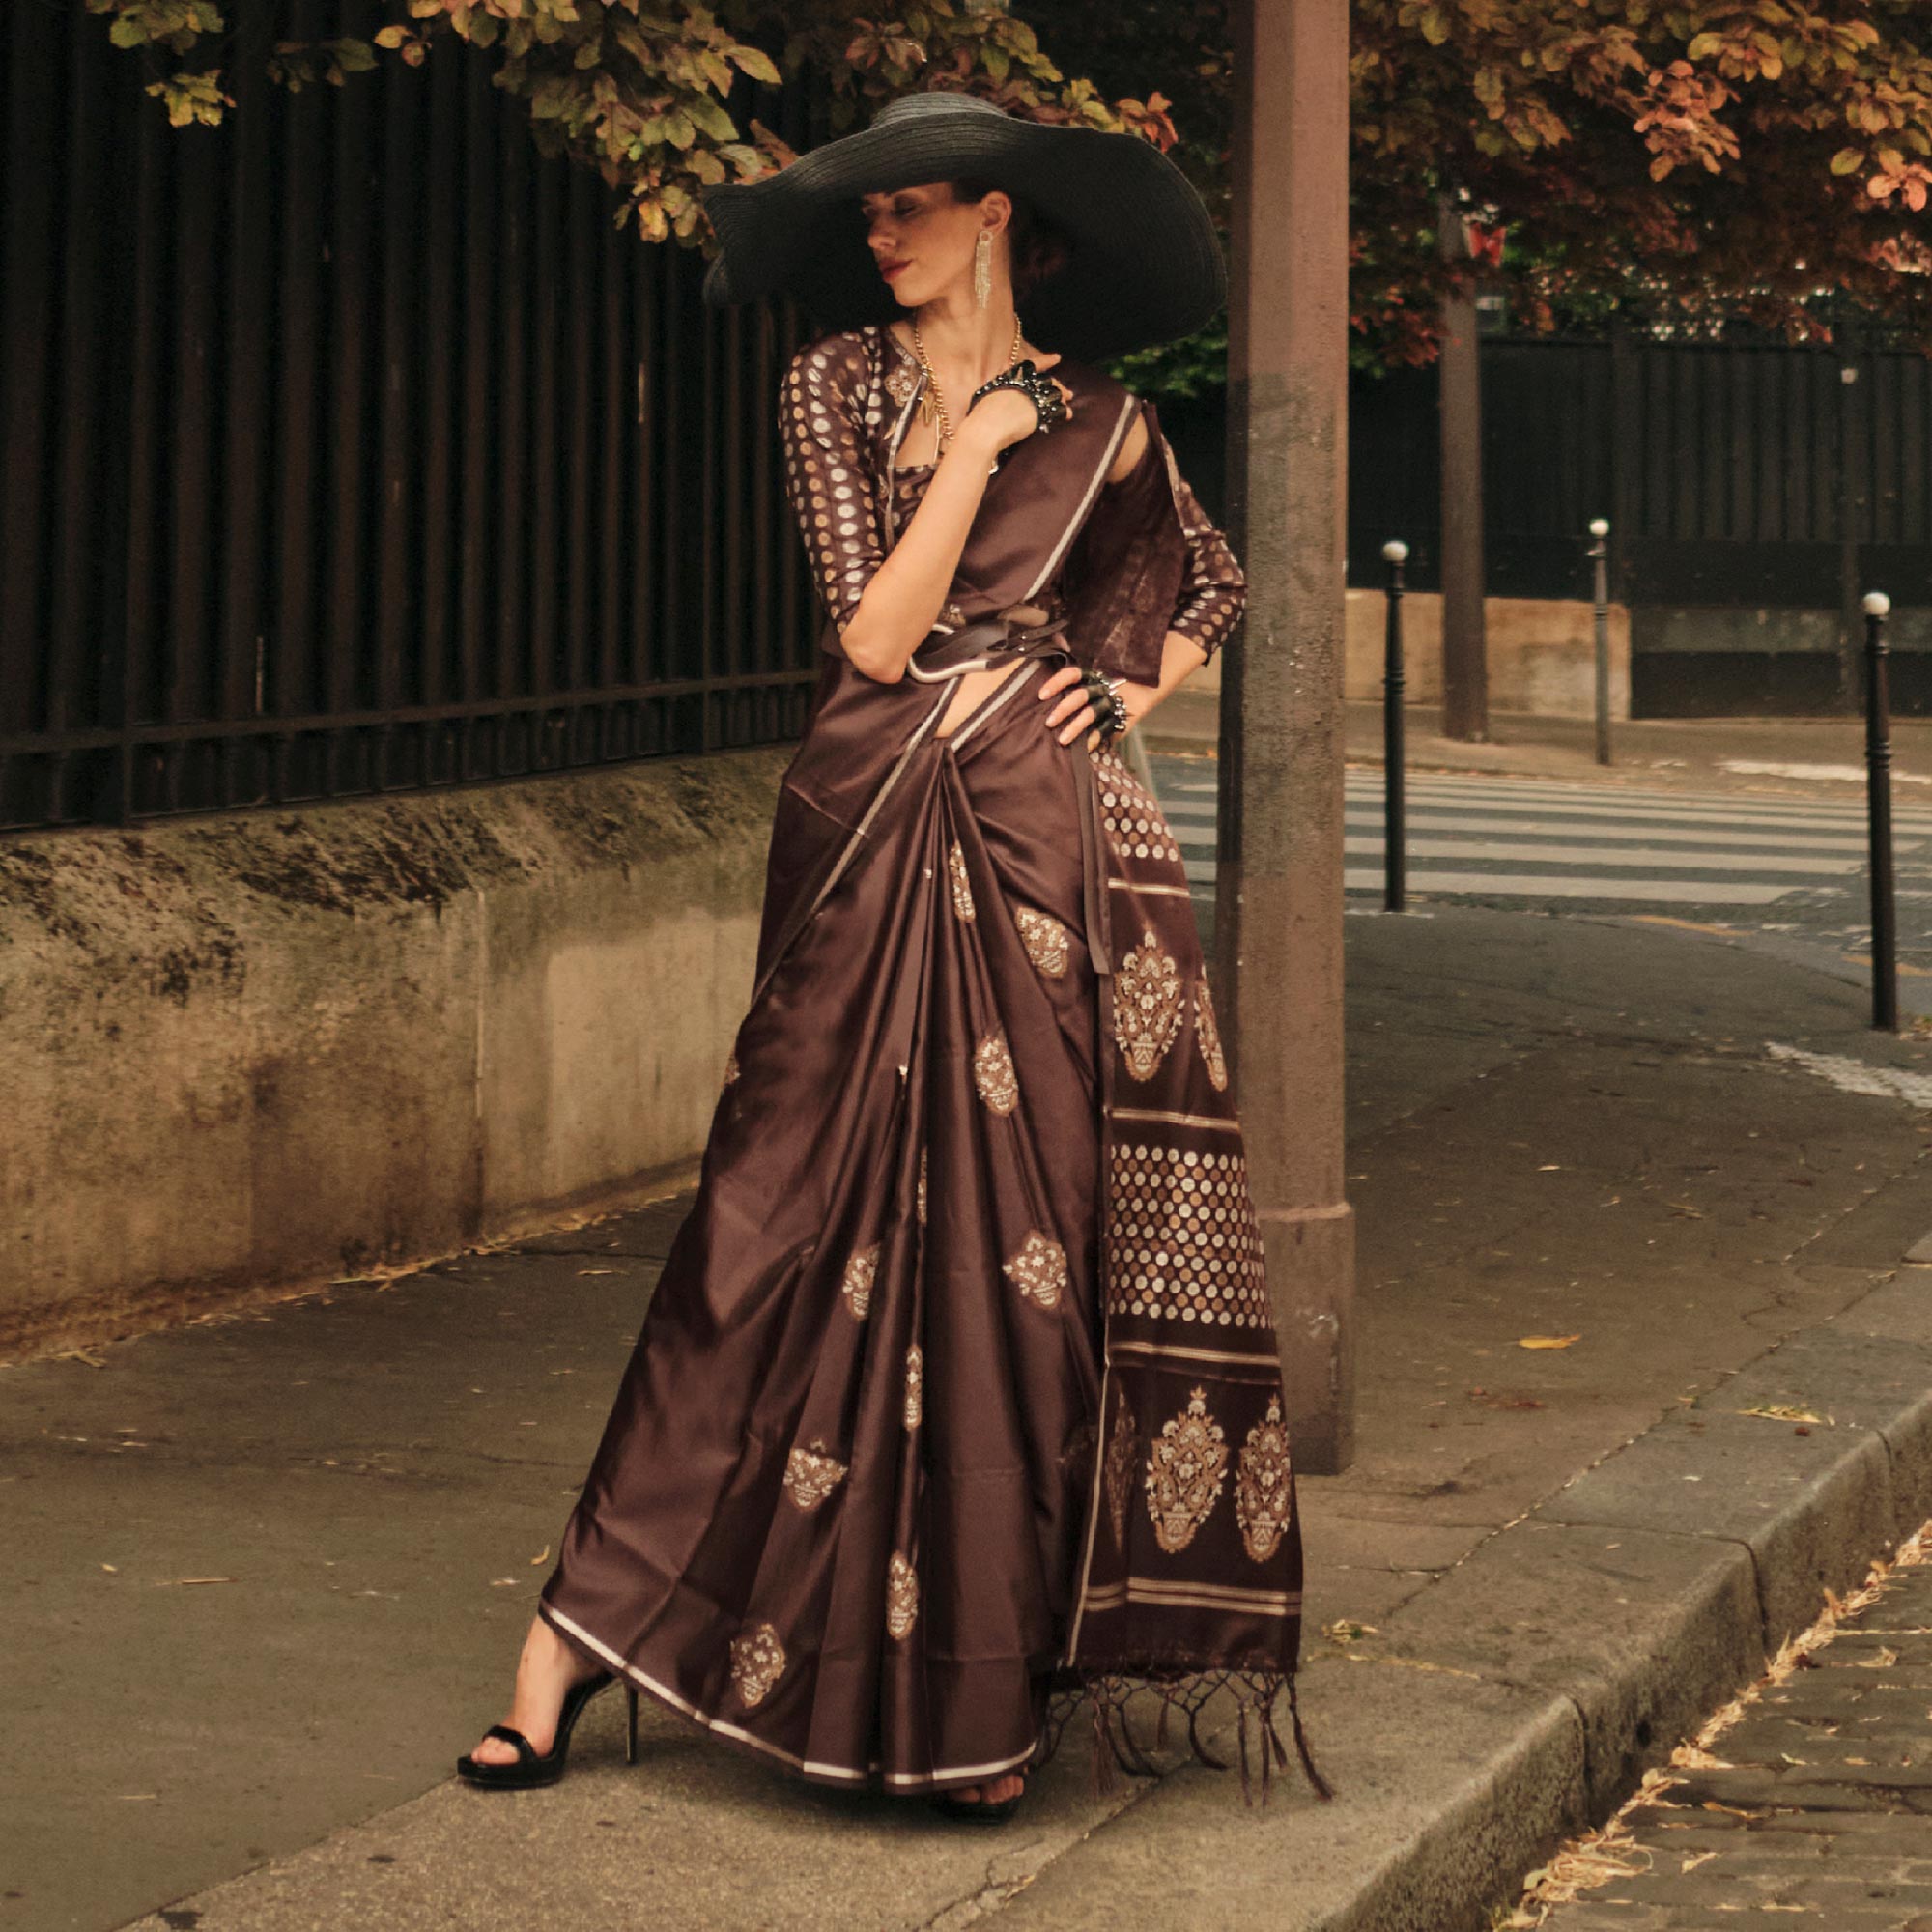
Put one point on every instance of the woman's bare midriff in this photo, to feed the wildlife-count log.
(973, 687)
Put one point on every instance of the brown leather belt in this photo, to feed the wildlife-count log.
(981, 645)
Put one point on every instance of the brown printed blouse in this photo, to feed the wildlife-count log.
(1145, 560)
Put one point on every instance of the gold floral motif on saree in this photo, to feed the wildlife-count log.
(1117, 1472)
(1210, 1035)
(993, 1074)
(919, 1197)
(1039, 1270)
(915, 1387)
(901, 1597)
(962, 886)
(812, 1475)
(1186, 1470)
(1182, 1242)
(860, 1271)
(1045, 939)
(1261, 1484)
(758, 1663)
(1148, 1003)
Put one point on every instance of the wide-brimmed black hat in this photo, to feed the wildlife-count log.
(1143, 263)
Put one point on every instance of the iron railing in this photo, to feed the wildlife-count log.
(350, 447)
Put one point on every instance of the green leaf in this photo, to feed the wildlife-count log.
(757, 63)
(1848, 160)
(712, 119)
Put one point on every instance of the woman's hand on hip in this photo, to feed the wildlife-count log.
(1073, 711)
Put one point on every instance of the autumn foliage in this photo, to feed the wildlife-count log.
(1735, 154)
(639, 91)
(1739, 153)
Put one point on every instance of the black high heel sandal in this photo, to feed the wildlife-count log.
(531, 1768)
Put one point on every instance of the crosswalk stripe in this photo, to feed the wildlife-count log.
(1588, 838)
(1605, 855)
(1666, 835)
(1575, 886)
(1598, 805)
(1547, 885)
(1621, 803)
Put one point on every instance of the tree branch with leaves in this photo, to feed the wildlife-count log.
(644, 93)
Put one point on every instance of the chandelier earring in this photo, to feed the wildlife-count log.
(982, 268)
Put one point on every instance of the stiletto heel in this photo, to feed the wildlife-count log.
(531, 1768)
(630, 1725)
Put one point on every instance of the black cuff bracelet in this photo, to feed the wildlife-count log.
(1049, 405)
(1110, 712)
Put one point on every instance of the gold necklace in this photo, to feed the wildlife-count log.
(933, 405)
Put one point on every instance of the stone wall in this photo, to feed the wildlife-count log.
(1541, 654)
(254, 1052)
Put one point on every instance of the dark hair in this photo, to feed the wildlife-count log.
(1036, 248)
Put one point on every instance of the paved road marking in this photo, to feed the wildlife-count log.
(1510, 838)
(1514, 848)
(1548, 885)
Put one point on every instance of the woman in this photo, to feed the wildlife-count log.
(959, 1387)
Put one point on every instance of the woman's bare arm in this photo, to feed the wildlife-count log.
(907, 591)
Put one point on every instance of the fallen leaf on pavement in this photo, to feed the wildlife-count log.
(542, 1556)
(597, 1270)
(1884, 1660)
(188, 1583)
(86, 1356)
(1547, 1340)
(1346, 1629)
(1783, 1412)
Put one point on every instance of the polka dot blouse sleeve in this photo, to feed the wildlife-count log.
(828, 471)
(1214, 590)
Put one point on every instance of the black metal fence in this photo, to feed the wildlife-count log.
(1754, 490)
(351, 447)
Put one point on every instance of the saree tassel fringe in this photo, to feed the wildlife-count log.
(1115, 1745)
(1315, 1778)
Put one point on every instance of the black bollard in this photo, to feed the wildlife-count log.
(1395, 554)
(1878, 792)
(1599, 555)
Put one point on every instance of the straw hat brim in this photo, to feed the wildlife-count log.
(1143, 262)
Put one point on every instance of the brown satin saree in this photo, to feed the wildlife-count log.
(958, 1401)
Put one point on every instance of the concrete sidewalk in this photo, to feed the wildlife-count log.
(1699, 754)
(267, 1574)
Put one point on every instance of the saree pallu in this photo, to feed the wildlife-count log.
(957, 1401)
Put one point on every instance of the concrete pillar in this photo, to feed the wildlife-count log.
(1278, 905)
